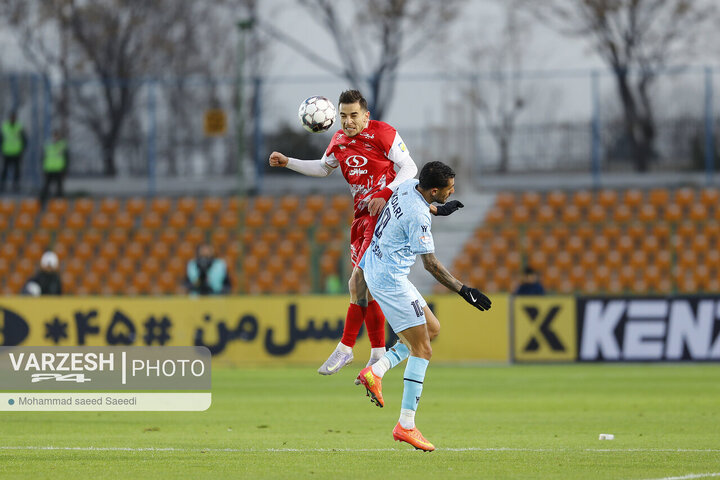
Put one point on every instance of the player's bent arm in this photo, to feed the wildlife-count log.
(311, 168)
(441, 274)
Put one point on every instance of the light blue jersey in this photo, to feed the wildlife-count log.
(402, 232)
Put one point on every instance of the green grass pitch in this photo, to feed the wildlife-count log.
(520, 422)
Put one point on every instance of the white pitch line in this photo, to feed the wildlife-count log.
(357, 450)
(692, 475)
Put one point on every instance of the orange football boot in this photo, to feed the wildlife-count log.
(413, 437)
(373, 385)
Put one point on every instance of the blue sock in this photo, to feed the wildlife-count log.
(414, 378)
(396, 354)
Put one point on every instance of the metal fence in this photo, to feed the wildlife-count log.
(570, 122)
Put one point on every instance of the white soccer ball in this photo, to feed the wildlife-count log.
(317, 114)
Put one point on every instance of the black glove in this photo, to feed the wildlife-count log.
(448, 208)
(475, 298)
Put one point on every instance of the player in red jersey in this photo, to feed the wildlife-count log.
(367, 152)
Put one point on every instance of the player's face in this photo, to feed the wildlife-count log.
(353, 117)
(443, 194)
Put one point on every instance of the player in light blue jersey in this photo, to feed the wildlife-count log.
(401, 233)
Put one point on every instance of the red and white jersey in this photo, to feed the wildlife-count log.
(367, 160)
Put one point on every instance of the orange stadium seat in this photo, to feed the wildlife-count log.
(66, 237)
(116, 282)
(134, 251)
(75, 266)
(25, 267)
(186, 205)
(151, 266)
(607, 198)
(647, 213)
(250, 266)
(270, 236)
(101, 267)
(83, 251)
(582, 198)
(520, 214)
(574, 245)
(236, 204)
(633, 198)
(229, 219)
(4, 223)
(290, 282)
(84, 206)
(260, 250)
(109, 206)
(219, 237)
(195, 236)
(160, 205)
(636, 231)
(203, 220)
(710, 197)
(545, 214)
(537, 260)
(212, 205)
(289, 203)
(7, 207)
(556, 199)
(118, 236)
(30, 206)
(61, 250)
(124, 220)
(315, 203)
(698, 213)
(659, 197)
(168, 282)
(135, 206)
(254, 219)
(672, 213)
(75, 221)
(571, 214)
(141, 282)
(15, 282)
(42, 237)
(25, 221)
(160, 251)
(152, 221)
(143, 236)
(275, 265)
(185, 250)
(622, 213)
(16, 238)
(178, 220)
(263, 204)
(530, 200)
(342, 203)
(300, 265)
(280, 219)
(685, 197)
(494, 217)
(100, 221)
(286, 249)
(176, 266)
(563, 260)
(92, 237)
(126, 266)
(58, 206)
(330, 219)
(169, 235)
(596, 214)
(305, 219)
(109, 251)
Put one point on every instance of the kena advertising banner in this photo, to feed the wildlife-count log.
(649, 329)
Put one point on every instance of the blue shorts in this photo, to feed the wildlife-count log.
(400, 301)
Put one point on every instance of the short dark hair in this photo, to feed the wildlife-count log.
(435, 175)
(353, 96)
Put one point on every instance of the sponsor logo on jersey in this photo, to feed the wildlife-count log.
(402, 146)
(356, 171)
(356, 161)
(367, 135)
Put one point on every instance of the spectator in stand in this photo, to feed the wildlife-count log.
(530, 284)
(47, 280)
(206, 274)
(13, 144)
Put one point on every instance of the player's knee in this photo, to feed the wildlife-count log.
(433, 330)
(423, 350)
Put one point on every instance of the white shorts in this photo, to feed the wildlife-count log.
(401, 303)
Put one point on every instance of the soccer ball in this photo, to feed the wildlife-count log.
(317, 114)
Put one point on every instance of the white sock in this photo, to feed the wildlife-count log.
(407, 418)
(376, 353)
(344, 348)
(381, 366)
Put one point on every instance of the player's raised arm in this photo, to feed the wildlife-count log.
(312, 168)
(471, 295)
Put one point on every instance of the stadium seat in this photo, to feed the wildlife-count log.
(134, 251)
(588, 260)
(160, 205)
(212, 205)
(286, 249)
(4, 223)
(108, 251)
(608, 199)
(250, 266)
(185, 251)
(275, 265)
(289, 203)
(151, 221)
(315, 203)
(176, 266)
(42, 237)
(253, 219)
(126, 266)
(622, 213)
(203, 220)
(116, 282)
(219, 237)
(61, 251)
(710, 197)
(100, 221)
(135, 206)
(186, 205)
(141, 283)
(168, 282)
(109, 206)
(58, 206)
(563, 260)
(685, 197)
(305, 219)
(265, 282)
(151, 266)
(236, 204)
(700, 244)
(168, 235)
(83, 251)
(596, 214)
(101, 267)
(647, 213)
(574, 245)
(270, 236)
(75, 266)
(160, 251)
(229, 219)
(571, 214)
(290, 282)
(30, 206)
(195, 236)
(15, 282)
(330, 219)
(143, 236)
(672, 213)
(600, 245)
(638, 260)
(7, 207)
(280, 219)
(625, 244)
(494, 217)
(25, 267)
(537, 260)
(261, 250)
(633, 198)
(557, 199)
(513, 261)
(520, 214)
(663, 259)
(75, 221)
(83, 206)
(530, 200)
(263, 204)
(342, 203)
(178, 220)
(300, 264)
(636, 231)
(92, 237)
(124, 220)
(24, 221)
(545, 214)
(16, 238)
(698, 213)
(328, 264)
(659, 197)
(582, 199)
